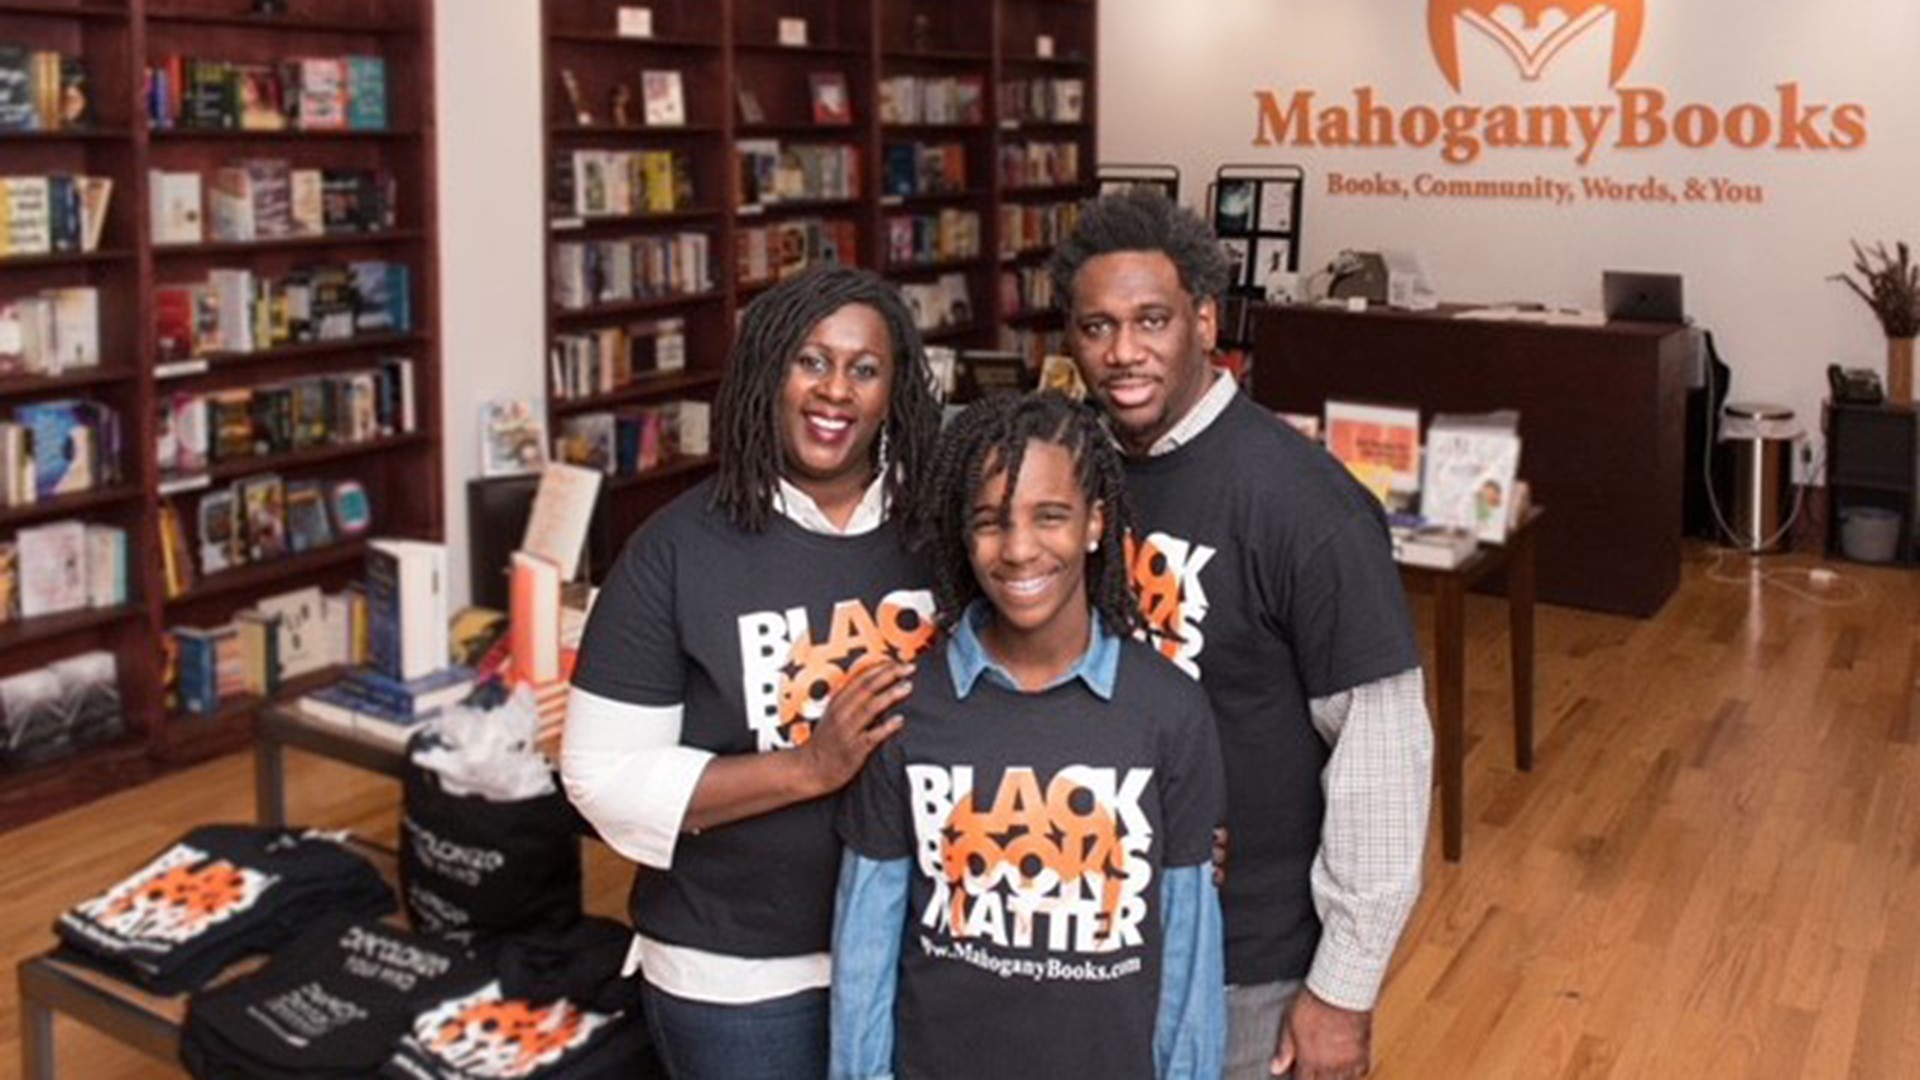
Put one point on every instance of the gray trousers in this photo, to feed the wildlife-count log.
(1253, 1026)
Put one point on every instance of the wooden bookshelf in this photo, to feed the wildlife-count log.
(402, 474)
(733, 57)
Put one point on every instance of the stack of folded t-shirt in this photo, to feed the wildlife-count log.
(333, 1003)
(220, 893)
(548, 1006)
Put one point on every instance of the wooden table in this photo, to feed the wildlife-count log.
(1449, 590)
(282, 726)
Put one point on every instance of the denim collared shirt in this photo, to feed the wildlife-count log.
(1190, 1029)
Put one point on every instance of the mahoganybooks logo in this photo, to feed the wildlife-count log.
(1533, 33)
(1538, 35)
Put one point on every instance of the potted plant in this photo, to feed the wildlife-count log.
(1889, 283)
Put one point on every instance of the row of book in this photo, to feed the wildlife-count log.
(240, 310)
(773, 172)
(42, 90)
(194, 430)
(943, 304)
(52, 214)
(279, 638)
(314, 93)
(1043, 101)
(63, 566)
(60, 447)
(631, 268)
(1032, 343)
(611, 358)
(926, 239)
(50, 712)
(921, 99)
(1039, 164)
(775, 252)
(53, 331)
(267, 199)
(1029, 227)
(406, 674)
(910, 169)
(616, 183)
(636, 439)
(1025, 289)
(258, 519)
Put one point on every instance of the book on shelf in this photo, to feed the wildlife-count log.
(54, 331)
(74, 443)
(218, 514)
(366, 93)
(1472, 464)
(664, 95)
(63, 707)
(302, 645)
(920, 99)
(407, 607)
(176, 207)
(1417, 542)
(309, 526)
(43, 90)
(832, 104)
(53, 568)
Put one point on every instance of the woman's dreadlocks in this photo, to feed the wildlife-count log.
(746, 409)
(991, 437)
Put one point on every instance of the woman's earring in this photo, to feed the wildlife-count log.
(883, 450)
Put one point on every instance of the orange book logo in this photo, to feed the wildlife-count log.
(1537, 38)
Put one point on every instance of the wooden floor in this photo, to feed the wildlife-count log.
(1713, 871)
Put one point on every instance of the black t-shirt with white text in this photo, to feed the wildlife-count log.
(1039, 828)
(751, 633)
(1266, 572)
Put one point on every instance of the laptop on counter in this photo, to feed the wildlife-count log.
(1631, 296)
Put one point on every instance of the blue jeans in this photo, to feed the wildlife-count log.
(782, 1039)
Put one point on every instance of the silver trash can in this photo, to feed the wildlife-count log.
(1757, 441)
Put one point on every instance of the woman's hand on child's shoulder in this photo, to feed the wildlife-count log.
(854, 726)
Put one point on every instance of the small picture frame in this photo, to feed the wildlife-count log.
(666, 99)
(1235, 206)
(793, 33)
(1276, 206)
(832, 107)
(1239, 253)
(1043, 46)
(751, 112)
(634, 22)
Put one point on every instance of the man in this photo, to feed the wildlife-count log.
(1265, 572)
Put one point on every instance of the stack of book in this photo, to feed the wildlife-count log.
(617, 183)
(772, 172)
(636, 439)
(197, 429)
(924, 169)
(280, 638)
(1043, 101)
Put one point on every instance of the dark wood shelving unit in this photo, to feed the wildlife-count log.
(724, 48)
(402, 475)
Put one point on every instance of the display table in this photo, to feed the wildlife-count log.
(1449, 590)
(283, 726)
(1602, 423)
(149, 1023)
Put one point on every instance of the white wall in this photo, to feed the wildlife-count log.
(491, 258)
(1179, 88)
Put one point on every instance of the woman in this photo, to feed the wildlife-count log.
(1027, 889)
(736, 667)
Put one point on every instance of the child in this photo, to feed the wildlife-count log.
(1027, 888)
